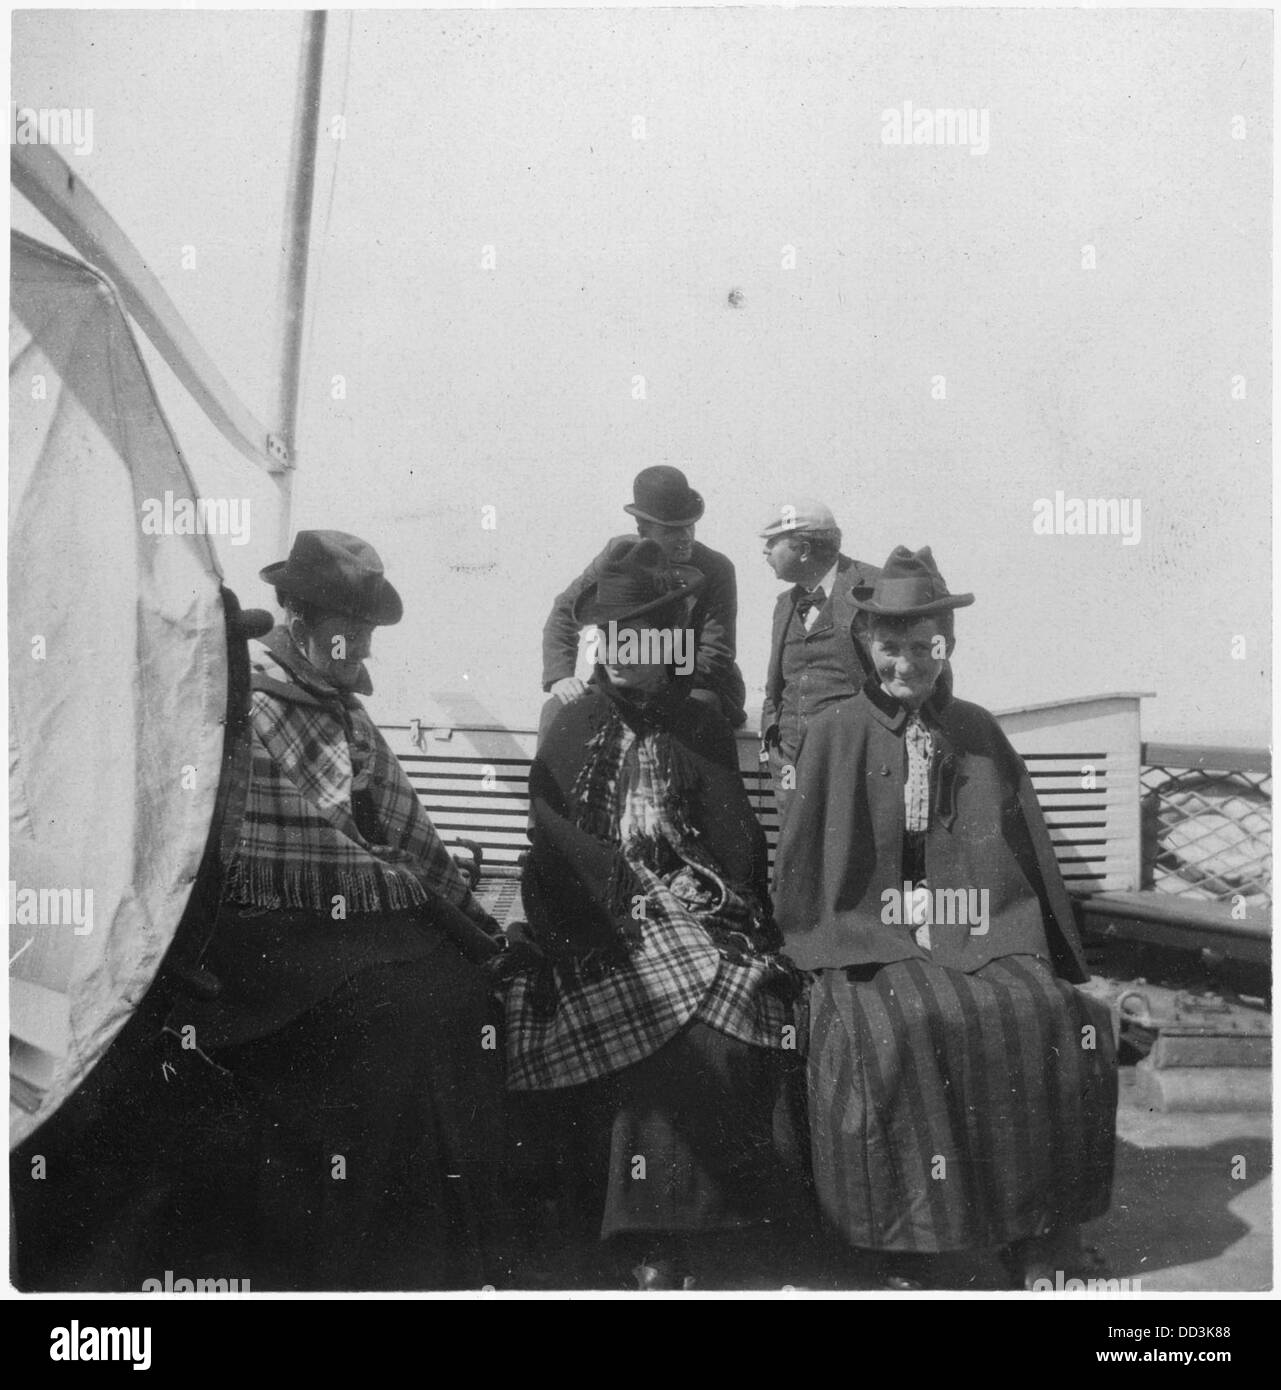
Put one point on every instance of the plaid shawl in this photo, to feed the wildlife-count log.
(320, 765)
(633, 784)
(677, 974)
(699, 950)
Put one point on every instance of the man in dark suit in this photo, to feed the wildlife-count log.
(666, 509)
(816, 654)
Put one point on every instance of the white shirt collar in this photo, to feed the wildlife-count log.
(828, 581)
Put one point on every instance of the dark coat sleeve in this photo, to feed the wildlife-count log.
(717, 612)
(861, 580)
(560, 631)
(715, 616)
(773, 683)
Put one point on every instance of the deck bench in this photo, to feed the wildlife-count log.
(1084, 756)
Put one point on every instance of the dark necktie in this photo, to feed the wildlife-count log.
(807, 603)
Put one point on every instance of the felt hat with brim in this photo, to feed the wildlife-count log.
(340, 574)
(910, 586)
(635, 582)
(662, 494)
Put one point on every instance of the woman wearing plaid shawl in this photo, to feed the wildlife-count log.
(359, 1135)
(654, 1046)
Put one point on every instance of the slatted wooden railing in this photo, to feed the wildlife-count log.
(1083, 757)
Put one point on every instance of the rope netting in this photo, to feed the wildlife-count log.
(1208, 834)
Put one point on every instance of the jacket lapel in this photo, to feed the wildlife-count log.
(840, 613)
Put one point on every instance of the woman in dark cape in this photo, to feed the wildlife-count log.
(655, 1042)
(962, 1090)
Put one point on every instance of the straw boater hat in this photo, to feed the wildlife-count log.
(662, 494)
(634, 583)
(910, 586)
(341, 574)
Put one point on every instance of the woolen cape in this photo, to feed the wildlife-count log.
(842, 845)
(616, 984)
(571, 880)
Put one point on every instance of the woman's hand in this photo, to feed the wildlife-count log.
(519, 953)
(918, 912)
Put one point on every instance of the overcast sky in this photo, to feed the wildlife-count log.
(921, 336)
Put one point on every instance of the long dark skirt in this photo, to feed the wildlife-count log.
(373, 1146)
(705, 1135)
(952, 1111)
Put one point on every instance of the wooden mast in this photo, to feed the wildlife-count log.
(300, 190)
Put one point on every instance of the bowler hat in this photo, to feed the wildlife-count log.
(339, 573)
(635, 582)
(800, 514)
(664, 495)
(910, 586)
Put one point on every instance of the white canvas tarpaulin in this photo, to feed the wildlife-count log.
(117, 679)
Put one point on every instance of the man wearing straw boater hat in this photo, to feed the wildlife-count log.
(667, 510)
(351, 1000)
(916, 878)
(818, 653)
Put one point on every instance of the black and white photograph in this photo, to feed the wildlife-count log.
(640, 661)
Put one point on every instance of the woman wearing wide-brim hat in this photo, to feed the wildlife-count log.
(360, 1141)
(652, 1051)
(962, 1089)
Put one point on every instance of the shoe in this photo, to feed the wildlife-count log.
(657, 1277)
(1027, 1274)
(899, 1272)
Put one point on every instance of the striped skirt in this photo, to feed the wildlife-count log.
(955, 1111)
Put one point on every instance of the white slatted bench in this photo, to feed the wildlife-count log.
(1082, 755)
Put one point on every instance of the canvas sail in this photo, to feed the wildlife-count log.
(117, 679)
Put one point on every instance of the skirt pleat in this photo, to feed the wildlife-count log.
(955, 1111)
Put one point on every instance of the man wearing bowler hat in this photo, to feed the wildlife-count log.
(666, 509)
(817, 653)
(350, 989)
